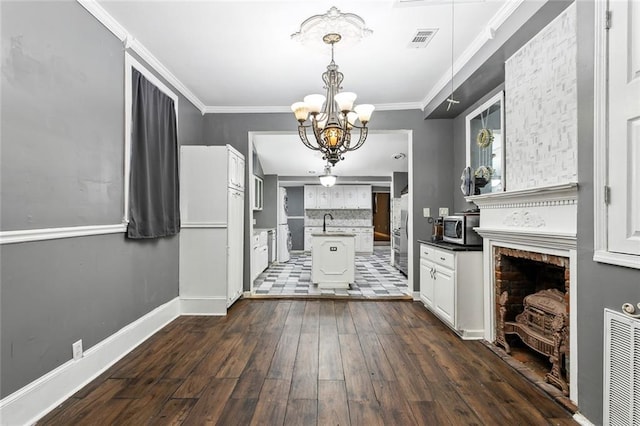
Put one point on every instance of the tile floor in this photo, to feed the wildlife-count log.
(375, 277)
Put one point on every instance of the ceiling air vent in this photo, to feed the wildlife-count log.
(422, 38)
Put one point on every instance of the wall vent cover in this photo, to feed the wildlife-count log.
(422, 38)
(621, 369)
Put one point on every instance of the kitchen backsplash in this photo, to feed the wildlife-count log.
(340, 217)
(541, 108)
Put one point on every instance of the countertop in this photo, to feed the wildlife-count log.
(339, 226)
(450, 246)
(332, 234)
(258, 230)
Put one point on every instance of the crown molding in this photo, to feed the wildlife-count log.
(474, 47)
(286, 109)
(131, 43)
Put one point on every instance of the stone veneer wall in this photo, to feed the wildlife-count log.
(541, 108)
(341, 217)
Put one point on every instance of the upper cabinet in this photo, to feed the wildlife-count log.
(236, 170)
(485, 146)
(337, 197)
(257, 193)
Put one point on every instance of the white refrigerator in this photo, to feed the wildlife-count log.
(284, 236)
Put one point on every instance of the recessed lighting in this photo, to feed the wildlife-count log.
(399, 156)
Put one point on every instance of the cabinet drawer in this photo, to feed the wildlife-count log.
(444, 258)
(427, 253)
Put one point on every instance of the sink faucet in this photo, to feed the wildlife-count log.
(324, 221)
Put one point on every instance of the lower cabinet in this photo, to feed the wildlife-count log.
(363, 241)
(451, 288)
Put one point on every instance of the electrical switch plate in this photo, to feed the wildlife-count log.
(426, 212)
(443, 211)
(77, 349)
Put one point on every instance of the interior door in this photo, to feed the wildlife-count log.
(624, 127)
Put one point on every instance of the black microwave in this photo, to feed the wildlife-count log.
(458, 229)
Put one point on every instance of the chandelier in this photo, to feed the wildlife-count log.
(333, 116)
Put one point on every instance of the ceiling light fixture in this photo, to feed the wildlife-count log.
(327, 179)
(333, 116)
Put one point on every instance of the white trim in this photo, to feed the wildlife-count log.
(27, 235)
(214, 306)
(130, 63)
(582, 420)
(544, 196)
(203, 225)
(105, 18)
(416, 297)
(122, 34)
(287, 109)
(474, 47)
(485, 106)
(30, 403)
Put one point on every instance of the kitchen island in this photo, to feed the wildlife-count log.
(333, 259)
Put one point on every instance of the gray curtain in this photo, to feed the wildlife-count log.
(154, 193)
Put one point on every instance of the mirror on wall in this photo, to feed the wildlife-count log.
(485, 145)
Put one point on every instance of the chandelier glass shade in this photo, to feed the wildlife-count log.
(333, 115)
(327, 179)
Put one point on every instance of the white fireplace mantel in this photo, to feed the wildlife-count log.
(541, 214)
(542, 220)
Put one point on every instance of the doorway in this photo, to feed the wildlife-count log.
(381, 218)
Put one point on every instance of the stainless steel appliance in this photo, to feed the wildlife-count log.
(401, 237)
(458, 229)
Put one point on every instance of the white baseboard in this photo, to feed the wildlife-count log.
(416, 296)
(27, 405)
(582, 420)
(216, 306)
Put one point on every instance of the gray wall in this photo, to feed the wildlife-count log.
(268, 216)
(599, 285)
(62, 148)
(400, 180)
(432, 155)
(295, 198)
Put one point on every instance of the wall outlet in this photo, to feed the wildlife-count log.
(254, 221)
(443, 211)
(426, 212)
(77, 349)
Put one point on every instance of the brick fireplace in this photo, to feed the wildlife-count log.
(532, 301)
(529, 245)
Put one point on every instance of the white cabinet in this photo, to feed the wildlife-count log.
(350, 196)
(333, 264)
(310, 196)
(260, 255)
(212, 235)
(337, 197)
(236, 170)
(323, 197)
(364, 196)
(257, 193)
(451, 287)
(363, 237)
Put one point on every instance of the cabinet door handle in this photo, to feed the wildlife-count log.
(442, 258)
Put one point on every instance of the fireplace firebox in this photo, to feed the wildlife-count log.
(532, 302)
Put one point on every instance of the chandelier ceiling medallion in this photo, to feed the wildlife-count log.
(333, 116)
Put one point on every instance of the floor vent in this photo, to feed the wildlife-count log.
(622, 369)
(422, 38)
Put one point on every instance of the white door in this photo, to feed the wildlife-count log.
(427, 280)
(624, 127)
(444, 292)
(235, 244)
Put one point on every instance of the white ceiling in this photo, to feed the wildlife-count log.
(238, 56)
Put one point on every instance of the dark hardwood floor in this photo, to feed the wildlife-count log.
(305, 362)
